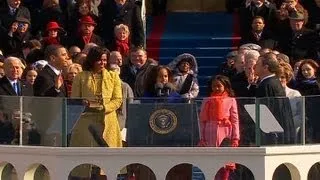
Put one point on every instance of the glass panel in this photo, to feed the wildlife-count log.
(75, 109)
(93, 122)
(235, 127)
(162, 122)
(43, 121)
(276, 120)
(10, 120)
(312, 124)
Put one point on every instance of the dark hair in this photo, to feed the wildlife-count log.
(26, 70)
(224, 81)
(51, 50)
(93, 56)
(34, 56)
(152, 78)
(31, 44)
(312, 63)
(138, 48)
(258, 17)
(270, 59)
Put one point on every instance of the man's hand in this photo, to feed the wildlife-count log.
(58, 82)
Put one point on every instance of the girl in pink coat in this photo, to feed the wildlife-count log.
(219, 120)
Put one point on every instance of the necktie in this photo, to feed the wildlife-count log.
(13, 11)
(15, 87)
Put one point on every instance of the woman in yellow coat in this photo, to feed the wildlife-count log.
(102, 92)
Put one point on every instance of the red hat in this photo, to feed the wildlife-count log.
(52, 25)
(87, 20)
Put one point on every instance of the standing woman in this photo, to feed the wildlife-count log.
(101, 90)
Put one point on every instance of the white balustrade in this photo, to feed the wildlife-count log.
(262, 161)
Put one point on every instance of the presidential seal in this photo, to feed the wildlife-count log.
(163, 121)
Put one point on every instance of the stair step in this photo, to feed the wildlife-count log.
(201, 51)
(208, 70)
(189, 42)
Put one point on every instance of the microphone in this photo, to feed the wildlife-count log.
(96, 132)
(158, 87)
(168, 88)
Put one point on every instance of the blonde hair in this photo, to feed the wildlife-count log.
(124, 27)
(286, 70)
(76, 66)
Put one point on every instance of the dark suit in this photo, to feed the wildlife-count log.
(129, 14)
(267, 11)
(6, 19)
(272, 94)
(78, 41)
(45, 84)
(7, 89)
(299, 45)
(266, 40)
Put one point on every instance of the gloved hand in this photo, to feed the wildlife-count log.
(235, 142)
(202, 143)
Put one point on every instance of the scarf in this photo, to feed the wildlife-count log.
(50, 40)
(213, 109)
(123, 47)
(216, 103)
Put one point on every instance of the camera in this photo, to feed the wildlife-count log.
(20, 25)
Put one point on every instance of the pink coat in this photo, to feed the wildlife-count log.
(214, 133)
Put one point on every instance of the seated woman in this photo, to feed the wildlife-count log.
(160, 86)
(306, 81)
(54, 34)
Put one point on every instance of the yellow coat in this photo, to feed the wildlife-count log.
(84, 87)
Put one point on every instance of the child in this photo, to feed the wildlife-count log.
(219, 118)
(122, 33)
(30, 74)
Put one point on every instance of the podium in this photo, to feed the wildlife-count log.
(162, 124)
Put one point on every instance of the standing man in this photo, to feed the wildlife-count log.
(49, 81)
(10, 84)
(272, 94)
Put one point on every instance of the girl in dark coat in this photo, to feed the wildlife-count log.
(306, 82)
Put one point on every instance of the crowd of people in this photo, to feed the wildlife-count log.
(93, 50)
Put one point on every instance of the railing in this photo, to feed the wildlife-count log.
(283, 133)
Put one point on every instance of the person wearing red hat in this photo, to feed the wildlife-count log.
(53, 31)
(85, 34)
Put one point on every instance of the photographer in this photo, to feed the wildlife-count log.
(291, 6)
(160, 86)
(17, 36)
